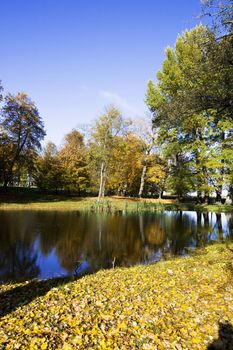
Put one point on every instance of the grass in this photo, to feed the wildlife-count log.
(32, 201)
(184, 303)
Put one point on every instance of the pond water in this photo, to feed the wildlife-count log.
(38, 244)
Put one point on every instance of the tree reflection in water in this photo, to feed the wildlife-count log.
(18, 258)
(86, 242)
(18, 263)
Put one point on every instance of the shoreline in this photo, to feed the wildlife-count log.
(108, 204)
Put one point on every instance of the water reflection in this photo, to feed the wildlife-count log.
(48, 244)
(18, 259)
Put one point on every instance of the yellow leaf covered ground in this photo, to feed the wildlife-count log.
(177, 304)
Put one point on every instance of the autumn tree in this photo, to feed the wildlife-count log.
(48, 174)
(73, 158)
(22, 132)
(106, 129)
(5, 150)
(156, 175)
(145, 131)
(125, 166)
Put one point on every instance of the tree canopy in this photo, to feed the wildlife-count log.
(185, 147)
(221, 13)
(22, 132)
(192, 108)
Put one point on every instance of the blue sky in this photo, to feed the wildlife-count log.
(74, 57)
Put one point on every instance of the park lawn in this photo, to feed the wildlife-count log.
(176, 304)
(107, 204)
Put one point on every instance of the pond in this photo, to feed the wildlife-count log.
(39, 244)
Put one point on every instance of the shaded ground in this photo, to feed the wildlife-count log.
(23, 294)
(185, 303)
(225, 339)
(32, 195)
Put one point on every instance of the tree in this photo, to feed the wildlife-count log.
(192, 103)
(125, 166)
(23, 130)
(147, 133)
(177, 125)
(107, 128)
(156, 175)
(221, 13)
(48, 173)
(73, 158)
(180, 179)
(5, 149)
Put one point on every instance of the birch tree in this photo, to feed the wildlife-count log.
(143, 128)
(107, 127)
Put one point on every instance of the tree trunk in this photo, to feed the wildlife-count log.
(199, 167)
(206, 199)
(219, 195)
(102, 180)
(6, 179)
(199, 181)
(142, 181)
(5, 183)
(222, 172)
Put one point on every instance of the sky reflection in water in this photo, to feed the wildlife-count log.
(49, 244)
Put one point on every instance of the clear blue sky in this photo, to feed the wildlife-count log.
(73, 57)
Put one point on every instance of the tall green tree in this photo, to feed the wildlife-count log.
(192, 103)
(176, 125)
(23, 131)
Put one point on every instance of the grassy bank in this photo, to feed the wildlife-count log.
(179, 304)
(108, 204)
